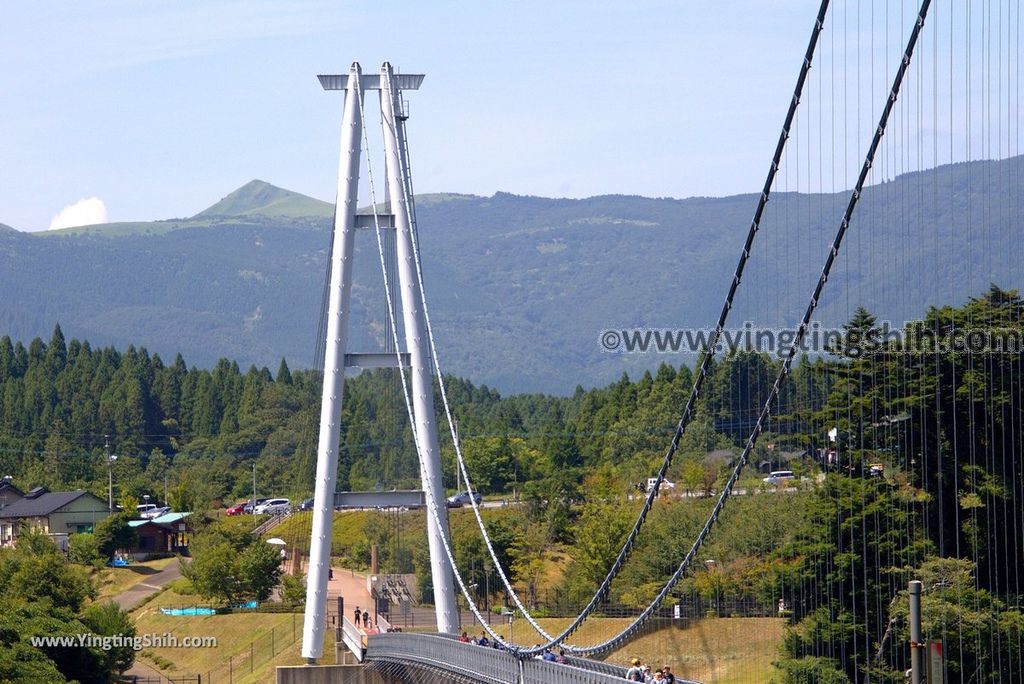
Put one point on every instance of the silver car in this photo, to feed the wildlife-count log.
(273, 507)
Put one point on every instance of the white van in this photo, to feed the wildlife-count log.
(777, 477)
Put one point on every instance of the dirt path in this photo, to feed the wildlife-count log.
(142, 671)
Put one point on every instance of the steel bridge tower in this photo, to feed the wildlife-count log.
(336, 358)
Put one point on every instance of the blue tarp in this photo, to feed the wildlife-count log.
(196, 610)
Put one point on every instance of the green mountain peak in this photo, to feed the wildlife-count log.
(259, 198)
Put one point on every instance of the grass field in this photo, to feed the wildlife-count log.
(346, 530)
(113, 581)
(238, 635)
(711, 651)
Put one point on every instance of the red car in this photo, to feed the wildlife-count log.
(238, 508)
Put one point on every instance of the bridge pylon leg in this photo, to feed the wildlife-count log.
(419, 355)
(340, 296)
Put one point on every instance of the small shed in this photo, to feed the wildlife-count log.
(168, 533)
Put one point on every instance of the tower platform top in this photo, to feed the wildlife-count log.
(370, 81)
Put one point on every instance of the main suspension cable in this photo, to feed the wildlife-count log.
(694, 393)
(787, 363)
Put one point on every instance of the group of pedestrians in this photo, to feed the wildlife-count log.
(549, 655)
(363, 615)
(481, 640)
(638, 672)
(645, 673)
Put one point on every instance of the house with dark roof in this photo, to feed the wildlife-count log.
(55, 513)
(8, 492)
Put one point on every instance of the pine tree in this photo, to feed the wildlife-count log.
(284, 376)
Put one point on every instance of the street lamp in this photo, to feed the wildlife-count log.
(711, 566)
(487, 589)
(511, 614)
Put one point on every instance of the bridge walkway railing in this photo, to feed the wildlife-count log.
(484, 664)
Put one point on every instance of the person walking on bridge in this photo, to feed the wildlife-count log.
(636, 672)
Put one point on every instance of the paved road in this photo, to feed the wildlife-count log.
(143, 671)
(149, 585)
(131, 597)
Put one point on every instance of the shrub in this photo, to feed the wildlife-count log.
(84, 549)
(293, 589)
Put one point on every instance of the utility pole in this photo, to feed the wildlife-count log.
(458, 471)
(110, 473)
(487, 589)
(915, 632)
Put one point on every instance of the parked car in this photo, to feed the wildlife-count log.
(273, 506)
(306, 505)
(462, 498)
(151, 510)
(665, 484)
(250, 505)
(237, 509)
(777, 477)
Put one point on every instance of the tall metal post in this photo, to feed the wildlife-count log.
(334, 369)
(110, 473)
(416, 342)
(915, 632)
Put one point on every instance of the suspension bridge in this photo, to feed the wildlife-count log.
(931, 56)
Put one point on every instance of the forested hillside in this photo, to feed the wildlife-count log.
(912, 458)
(520, 287)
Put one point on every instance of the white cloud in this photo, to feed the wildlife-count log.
(84, 212)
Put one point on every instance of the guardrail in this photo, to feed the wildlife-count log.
(484, 664)
(353, 638)
(274, 520)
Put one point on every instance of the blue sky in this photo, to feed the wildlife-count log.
(160, 109)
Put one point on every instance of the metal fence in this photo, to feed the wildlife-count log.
(273, 521)
(260, 650)
(691, 606)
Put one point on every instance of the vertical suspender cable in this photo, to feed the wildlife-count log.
(801, 331)
(698, 379)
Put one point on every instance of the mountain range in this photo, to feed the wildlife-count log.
(520, 288)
